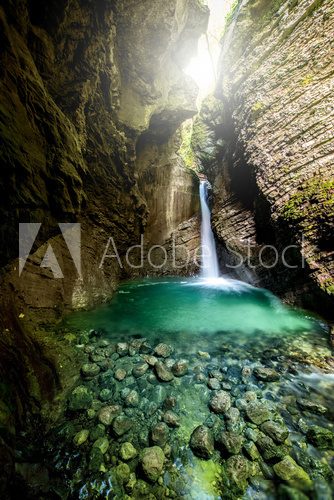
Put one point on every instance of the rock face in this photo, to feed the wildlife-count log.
(273, 169)
(89, 96)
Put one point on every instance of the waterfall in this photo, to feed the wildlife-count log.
(210, 267)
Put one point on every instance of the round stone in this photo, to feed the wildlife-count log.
(163, 350)
(202, 442)
(80, 399)
(120, 374)
(90, 370)
(220, 402)
(152, 462)
(180, 368)
(127, 451)
(81, 437)
(108, 413)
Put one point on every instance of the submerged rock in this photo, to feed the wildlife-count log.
(159, 434)
(120, 374)
(132, 399)
(152, 462)
(127, 451)
(171, 419)
(122, 348)
(288, 470)
(122, 473)
(81, 437)
(231, 442)
(320, 437)
(269, 450)
(278, 432)
(238, 469)
(214, 384)
(163, 350)
(102, 444)
(202, 442)
(90, 370)
(162, 372)
(108, 413)
(121, 425)
(80, 399)
(258, 412)
(140, 370)
(312, 407)
(180, 368)
(220, 402)
(266, 374)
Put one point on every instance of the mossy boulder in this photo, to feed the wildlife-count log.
(152, 462)
(290, 472)
(80, 399)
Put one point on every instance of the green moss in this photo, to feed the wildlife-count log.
(307, 80)
(312, 207)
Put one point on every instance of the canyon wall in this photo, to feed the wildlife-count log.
(90, 94)
(273, 165)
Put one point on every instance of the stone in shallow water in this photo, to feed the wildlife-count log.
(127, 451)
(238, 470)
(269, 450)
(122, 473)
(320, 437)
(312, 407)
(152, 462)
(202, 442)
(251, 450)
(132, 399)
(108, 413)
(150, 360)
(214, 384)
(81, 437)
(106, 395)
(159, 434)
(258, 412)
(180, 368)
(140, 370)
(163, 350)
(98, 431)
(90, 370)
(102, 444)
(171, 419)
(80, 399)
(278, 432)
(122, 348)
(220, 402)
(121, 425)
(289, 471)
(231, 442)
(266, 374)
(120, 374)
(162, 372)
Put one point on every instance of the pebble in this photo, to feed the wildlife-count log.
(81, 437)
(220, 402)
(140, 370)
(120, 374)
(180, 368)
(90, 370)
(121, 425)
(266, 374)
(163, 350)
(152, 462)
(159, 434)
(171, 419)
(162, 372)
(102, 444)
(258, 412)
(202, 442)
(213, 384)
(122, 348)
(108, 413)
(127, 451)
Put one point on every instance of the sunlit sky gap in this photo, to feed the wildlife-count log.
(202, 68)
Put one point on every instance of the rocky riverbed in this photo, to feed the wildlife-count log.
(155, 421)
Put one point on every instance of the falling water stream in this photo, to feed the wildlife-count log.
(210, 267)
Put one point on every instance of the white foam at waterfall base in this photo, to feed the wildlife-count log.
(209, 268)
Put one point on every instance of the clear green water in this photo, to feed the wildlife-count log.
(185, 310)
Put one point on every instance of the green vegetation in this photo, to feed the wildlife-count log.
(312, 208)
(307, 80)
(186, 152)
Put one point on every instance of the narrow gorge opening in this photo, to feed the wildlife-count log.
(167, 272)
